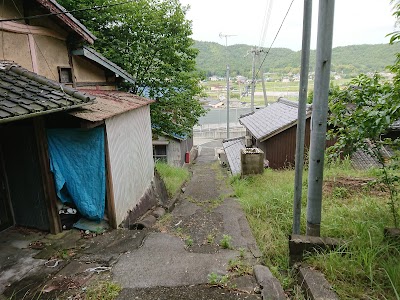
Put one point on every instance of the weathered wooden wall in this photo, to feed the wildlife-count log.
(280, 149)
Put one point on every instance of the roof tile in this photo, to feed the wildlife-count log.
(232, 149)
(109, 104)
(24, 93)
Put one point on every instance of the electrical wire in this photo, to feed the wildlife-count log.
(36, 44)
(280, 27)
(264, 30)
(67, 12)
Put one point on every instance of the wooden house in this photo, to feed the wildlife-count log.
(52, 87)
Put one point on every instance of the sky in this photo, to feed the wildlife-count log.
(356, 22)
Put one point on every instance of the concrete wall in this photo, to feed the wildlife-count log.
(131, 159)
(251, 161)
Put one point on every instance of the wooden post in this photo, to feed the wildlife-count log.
(47, 177)
(109, 186)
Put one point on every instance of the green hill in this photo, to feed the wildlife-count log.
(350, 60)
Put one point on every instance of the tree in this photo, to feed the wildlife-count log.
(150, 39)
(361, 116)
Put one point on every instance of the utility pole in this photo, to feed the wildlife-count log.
(255, 51)
(301, 119)
(264, 90)
(319, 115)
(253, 77)
(227, 81)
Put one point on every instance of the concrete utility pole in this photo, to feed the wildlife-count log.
(255, 51)
(301, 123)
(319, 115)
(227, 81)
(264, 90)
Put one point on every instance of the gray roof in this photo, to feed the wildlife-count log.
(101, 60)
(232, 149)
(362, 160)
(24, 94)
(273, 119)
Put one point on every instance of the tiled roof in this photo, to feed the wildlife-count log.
(101, 60)
(109, 104)
(273, 119)
(24, 94)
(232, 149)
(362, 160)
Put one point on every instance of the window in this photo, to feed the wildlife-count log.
(65, 74)
(160, 153)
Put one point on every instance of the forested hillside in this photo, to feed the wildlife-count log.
(350, 60)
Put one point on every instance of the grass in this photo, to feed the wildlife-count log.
(368, 267)
(104, 290)
(226, 242)
(173, 177)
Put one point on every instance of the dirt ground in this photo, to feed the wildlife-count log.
(346, 187)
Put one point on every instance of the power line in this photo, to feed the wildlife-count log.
(280, 27)
(267, 16)
(98, 7)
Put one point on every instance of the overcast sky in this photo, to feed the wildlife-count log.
(356, 21)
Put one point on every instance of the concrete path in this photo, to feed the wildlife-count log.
(188, 249)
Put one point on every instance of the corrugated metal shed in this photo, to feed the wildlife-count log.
(232, 149)
(24, 94)
(109, 104)
(131, 159)
(275, 118)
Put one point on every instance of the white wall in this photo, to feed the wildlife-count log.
(131, 158)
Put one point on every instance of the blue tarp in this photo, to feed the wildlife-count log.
(77, 160)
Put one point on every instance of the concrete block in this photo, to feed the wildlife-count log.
(252, 161)
(392, 233)
(158, 212)
(315, 286)
(300, 244)
(271, 287)
(147, 222)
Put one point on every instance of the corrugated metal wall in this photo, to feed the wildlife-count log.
(131, 158)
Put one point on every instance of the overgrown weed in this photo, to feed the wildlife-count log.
(366, 267)
(173, 177)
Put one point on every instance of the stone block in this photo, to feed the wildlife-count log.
(300, 244)
(271, 287)
(315, 286)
